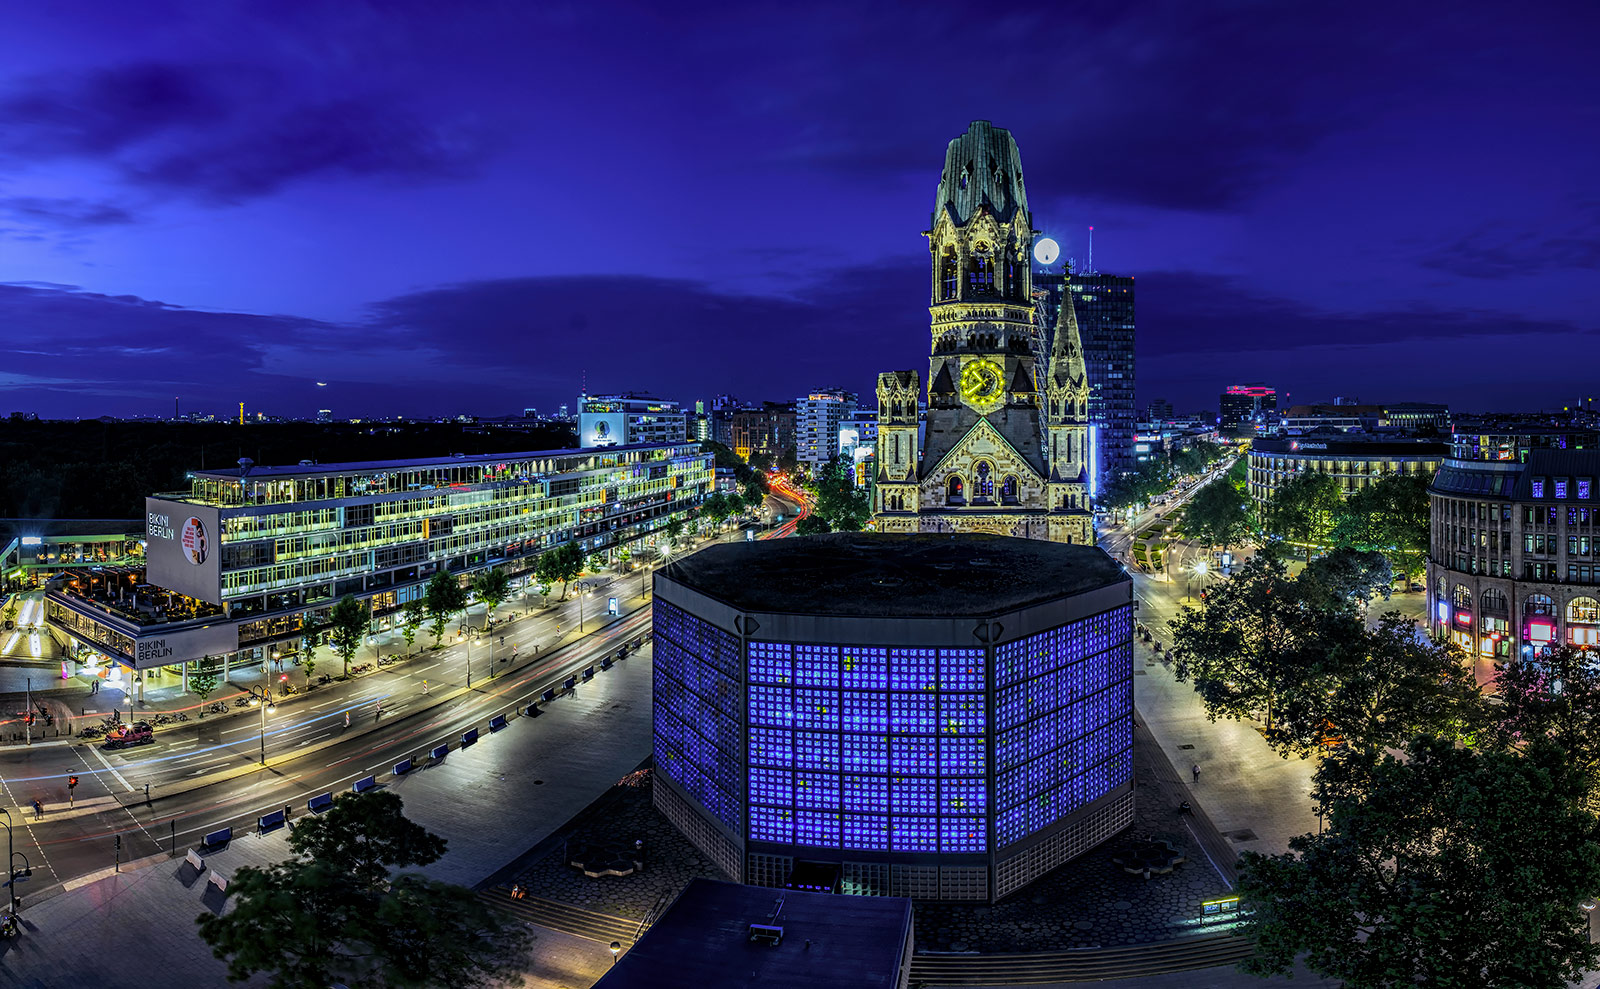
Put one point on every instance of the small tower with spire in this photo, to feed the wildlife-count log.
(1067, 431)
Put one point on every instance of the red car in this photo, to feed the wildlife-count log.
(137, 733)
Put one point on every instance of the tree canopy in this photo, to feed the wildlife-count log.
(1352, 575)
(1219, 514)
(491, 585)
(443, 597)
(563, 563)
(841, 505)
(347, 623)
(1303, 510)
(1447, 868)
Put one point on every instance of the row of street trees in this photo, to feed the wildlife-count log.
(1461, 834)
(1156, 476)
(1388, 517)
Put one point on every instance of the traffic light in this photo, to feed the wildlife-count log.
(28, 718)
(72, 781)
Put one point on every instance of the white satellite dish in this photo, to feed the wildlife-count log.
(1046, 251)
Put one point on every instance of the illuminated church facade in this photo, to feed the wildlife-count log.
(1005, 448)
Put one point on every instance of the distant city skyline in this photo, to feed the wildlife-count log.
(467, 209)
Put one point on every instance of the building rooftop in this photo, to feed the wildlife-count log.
(362, 466)
(1356, 445)
(56, 528)
(703, 940)
(886, 575)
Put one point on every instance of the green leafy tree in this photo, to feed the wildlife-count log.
(205, 677)
(444, 597)
(716, 508)
(334, 913)
(1389, 517)
(347, 623)
(1556, 697)
(1246, 650)
(673, 530)
(563, 563)
(491, 586)
(416, 612)
(840, 504)
(1303, 509)
(1447, 868)
(1218, 515)
(1352, 575)
(811, 525)
(308, 655)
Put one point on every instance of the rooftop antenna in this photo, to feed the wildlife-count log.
(1090, 266)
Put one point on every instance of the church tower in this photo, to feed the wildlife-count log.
(988, 458)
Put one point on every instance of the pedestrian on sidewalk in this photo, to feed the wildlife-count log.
(1196, 771)
(38, 810)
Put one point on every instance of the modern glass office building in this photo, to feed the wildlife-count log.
(898, 711)
(252, 556)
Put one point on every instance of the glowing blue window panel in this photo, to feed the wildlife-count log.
(1041, 737)
(914, 834)
(1011, 662)
(960, 756)
(771, 747)
(962, 796)
(1012, 824)
(913, 795)
(866, 754)
(1011, 749)
(816, 791)
(866, 832)
(771, 706)
(961, 669)
(821, 828)
(913, 714)
(816, 666)
(961, 714)
(1011, 787)
(913, 669)
(866, 794)
(1012, 706)
(914, 756)
(772, 786)
(771, 662)
(818, 709)
(772, 824)
(866, 711)
(816, 750)
(962, 834)
(865, 668)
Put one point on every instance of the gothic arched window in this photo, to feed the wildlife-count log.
(947, 276)
(980, 275)
(1008, 490)
(982, 482)
(955, 492)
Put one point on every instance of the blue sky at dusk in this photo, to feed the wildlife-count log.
(462, 207)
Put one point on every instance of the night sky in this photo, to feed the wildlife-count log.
(443, 207)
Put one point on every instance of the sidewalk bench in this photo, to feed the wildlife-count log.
(588, 674)
(219, 881)
(548, 695)
(533, 710)
(605, 664)
(217, 839)
(318, 804)
(196, 863)
(497, 722)
(440, 751)
(402, 767)
(571, 683)
(468, 737)
(271, 822)
(364, 784)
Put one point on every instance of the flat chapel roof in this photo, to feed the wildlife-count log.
(829, 941)
(893, 575)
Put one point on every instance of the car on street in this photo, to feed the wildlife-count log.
(136, 733)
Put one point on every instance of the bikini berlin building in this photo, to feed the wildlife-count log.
(920, 714)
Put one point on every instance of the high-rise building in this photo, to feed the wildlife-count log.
(1158, 410)
(817, 419)
(1005, 448)
(1248, 405)
(702, 422)
(769, 429)
(630, 419)
(1105, 312)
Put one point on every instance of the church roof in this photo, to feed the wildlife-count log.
(981, 168)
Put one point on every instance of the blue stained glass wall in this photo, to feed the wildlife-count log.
(1064, 727)
(697, 731)
(867, 747)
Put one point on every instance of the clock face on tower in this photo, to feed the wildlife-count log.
(983, 385)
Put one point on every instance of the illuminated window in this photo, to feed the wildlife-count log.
(955, 491)
(1561, 488)
(1008, 489)
(1585, 488)
(982, 482)
(1538, 487)
(947, 276)
(1584, 609)
(980, 277)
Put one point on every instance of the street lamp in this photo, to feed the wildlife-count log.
(616, 946)
(1200, 569)
(584, 587)
(261, 697)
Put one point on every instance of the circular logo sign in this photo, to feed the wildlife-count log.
(193, 540)
(602, 428)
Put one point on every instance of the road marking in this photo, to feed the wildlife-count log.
(109, 768)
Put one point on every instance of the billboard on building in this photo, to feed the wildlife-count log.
(602, 429)
(185, 645)
(183, 548)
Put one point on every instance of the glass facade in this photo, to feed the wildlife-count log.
(880, 748)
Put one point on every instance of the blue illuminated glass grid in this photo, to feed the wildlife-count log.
(913, 669)
(844, 725)
(772, 824)
(867, 832)
(1063, 726)
(865, 667)
(696, 736)
(816, 666)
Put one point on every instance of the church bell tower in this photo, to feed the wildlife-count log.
(988, 457)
